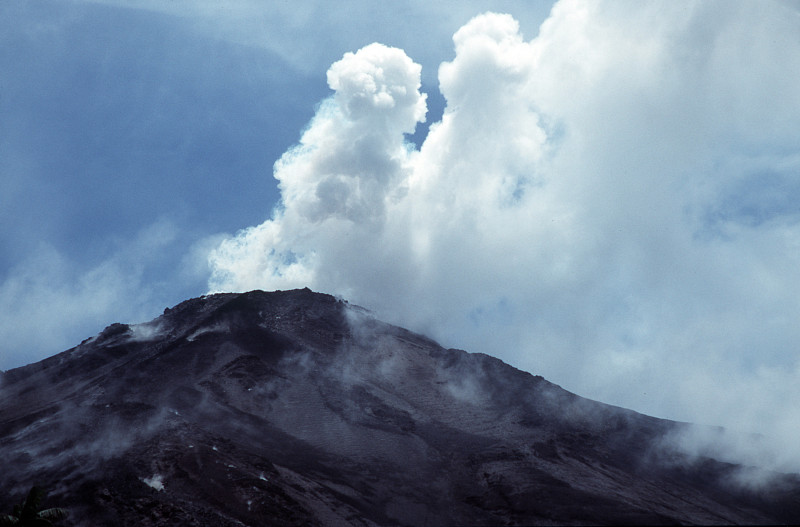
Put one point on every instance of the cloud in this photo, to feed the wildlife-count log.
(51, 302)
(351, 166)
(609, 204)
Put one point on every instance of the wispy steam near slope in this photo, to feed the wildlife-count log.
(612, 204)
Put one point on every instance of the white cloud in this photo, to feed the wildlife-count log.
(585, 209)
(350, 167)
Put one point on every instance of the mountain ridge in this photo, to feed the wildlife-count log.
(301, 409)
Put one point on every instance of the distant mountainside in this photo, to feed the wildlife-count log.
(295, 408)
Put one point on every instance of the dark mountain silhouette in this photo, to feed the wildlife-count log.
(295, 408)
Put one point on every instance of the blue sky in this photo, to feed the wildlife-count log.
(607, 194)
(116, 119)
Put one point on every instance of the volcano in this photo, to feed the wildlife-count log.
(298, 408)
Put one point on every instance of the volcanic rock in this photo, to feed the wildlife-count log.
(297, 408)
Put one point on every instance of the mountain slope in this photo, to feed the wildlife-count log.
(295, 408)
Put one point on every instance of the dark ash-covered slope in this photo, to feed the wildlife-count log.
(295, 408)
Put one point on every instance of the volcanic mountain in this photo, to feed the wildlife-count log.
(297, 408)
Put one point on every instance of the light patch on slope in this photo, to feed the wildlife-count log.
(216, 328)
(155, 481)
(146, 332)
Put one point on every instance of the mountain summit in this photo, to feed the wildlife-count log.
(296, 408)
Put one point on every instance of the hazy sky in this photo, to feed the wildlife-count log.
(608, 196)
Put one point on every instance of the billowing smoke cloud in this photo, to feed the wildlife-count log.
(612, 204)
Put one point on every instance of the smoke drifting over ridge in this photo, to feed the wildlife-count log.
(612, 204)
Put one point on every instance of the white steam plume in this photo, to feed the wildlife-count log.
(612, 204)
